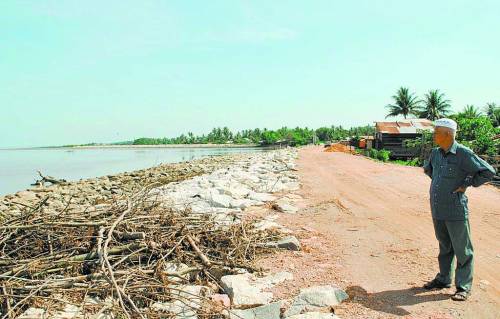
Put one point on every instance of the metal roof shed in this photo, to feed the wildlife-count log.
(392, 136)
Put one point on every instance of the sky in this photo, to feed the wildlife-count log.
(102, 71)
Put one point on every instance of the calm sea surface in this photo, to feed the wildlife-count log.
(18, 168)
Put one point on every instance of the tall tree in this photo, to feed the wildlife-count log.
(405, 103)
(470, 112)
(493, 113)
(435, 106)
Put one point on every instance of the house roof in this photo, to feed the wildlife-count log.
(404, 126)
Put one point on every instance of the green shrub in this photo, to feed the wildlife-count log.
(477, 133)
(383, 155)
(373, 153)
(412, 162)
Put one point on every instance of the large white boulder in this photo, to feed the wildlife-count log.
(243, 293)
(269, 311)
(315, 298)
(247, 290)
(284, 206)
(262, 197)
(314, 315)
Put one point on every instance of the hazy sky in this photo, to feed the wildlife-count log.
(100, 71)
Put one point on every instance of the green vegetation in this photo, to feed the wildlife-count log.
(88, 144)
(477, 133)
(336, 133)
(435, 106)
(384, 156)
(493, 113)
(284, 135)
(405, 103)
(411, 162)
(381, 155)
(470, 112)
(475, 128)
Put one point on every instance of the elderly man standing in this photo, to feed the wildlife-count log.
(452, 168)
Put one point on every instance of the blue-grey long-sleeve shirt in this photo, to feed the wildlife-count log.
(449, 170)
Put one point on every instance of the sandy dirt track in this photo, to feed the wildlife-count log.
(366, 226)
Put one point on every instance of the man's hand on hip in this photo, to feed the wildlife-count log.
(461, 189)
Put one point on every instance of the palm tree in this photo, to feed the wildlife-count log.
(435, 106)
(405, 103)
(470, 112)
(493, 113)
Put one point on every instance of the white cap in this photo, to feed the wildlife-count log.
(449, 123)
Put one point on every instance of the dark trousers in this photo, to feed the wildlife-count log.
(455, 241)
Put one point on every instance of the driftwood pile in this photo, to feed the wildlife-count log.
(48, 179)
(126, 253)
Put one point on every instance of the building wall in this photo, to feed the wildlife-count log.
(396, 144)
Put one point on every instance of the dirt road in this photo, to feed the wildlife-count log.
(366, 226)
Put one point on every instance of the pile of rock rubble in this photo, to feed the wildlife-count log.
(267, 178)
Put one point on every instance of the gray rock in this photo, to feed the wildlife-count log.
(289, 242)
(293, 197)
(26, 195)
(198, 206)
(219, 200)
(285, 207)
(272, 279)
(187, 298)
(226, 218)
(269, 311)
(292, 186)
(262, 197)
(242, 292)
(314, 315)
(176, 267)
(69, 311)
(175, 308)
(33, 313)
(267, 224)
(246, 290)
(315, 298)
(243, 203)
(235, 191)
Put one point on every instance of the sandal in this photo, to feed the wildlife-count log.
(436, 284)
(460, 295)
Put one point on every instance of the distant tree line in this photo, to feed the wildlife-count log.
(289, 136)
(476, 128)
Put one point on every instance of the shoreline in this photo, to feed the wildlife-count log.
(130, 146)
(100, 189)
(92, 162)
(170, 146)
(213, 203)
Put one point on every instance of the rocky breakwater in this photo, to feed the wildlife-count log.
(93, 191)
(264, 179)
(227, 192)
(193, 249)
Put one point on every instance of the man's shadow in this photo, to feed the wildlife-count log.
(390, 301)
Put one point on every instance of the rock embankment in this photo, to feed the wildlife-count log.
(94, 191)
(223, 188)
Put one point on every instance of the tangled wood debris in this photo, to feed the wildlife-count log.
(48, 179)
(125, 257)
